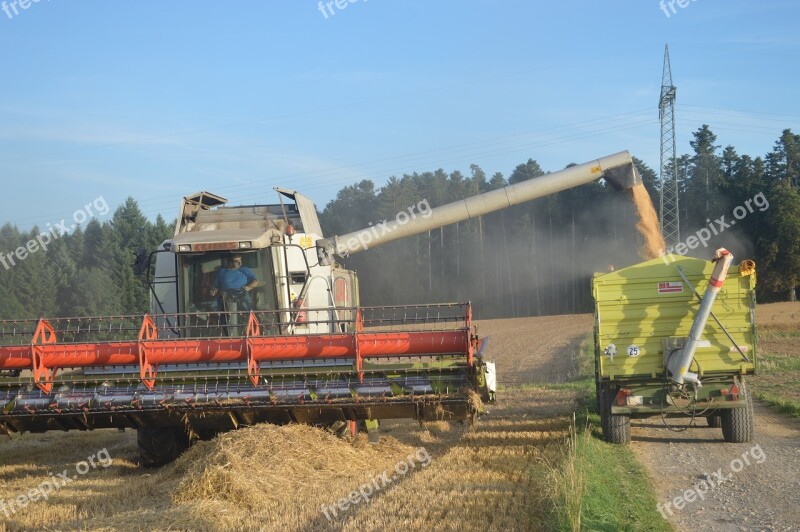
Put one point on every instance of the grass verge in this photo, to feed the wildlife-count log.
(778, 380)
(616, 492)
(599, 486)
(784, 406)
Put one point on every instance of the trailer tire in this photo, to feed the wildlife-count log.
(598, 394)
(619, 429)
(616, 428)
(737, 423)
(601, 409)
(714, 421)
(161, 445)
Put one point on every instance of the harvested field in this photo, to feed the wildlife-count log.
(494, 476)
(778, 316)
(779, 340)
(535, 350)
(779, 371)
(281, 477)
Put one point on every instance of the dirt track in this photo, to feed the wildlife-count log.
(764, 495)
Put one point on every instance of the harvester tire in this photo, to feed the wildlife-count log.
(161, 445)
(738, 423)
(714, 421)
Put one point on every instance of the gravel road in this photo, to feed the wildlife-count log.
(761, 490)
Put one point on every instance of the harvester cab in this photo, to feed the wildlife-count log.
(237, 259)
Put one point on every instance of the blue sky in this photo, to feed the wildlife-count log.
(156, 100)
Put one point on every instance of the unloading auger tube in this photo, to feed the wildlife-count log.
(617, 169)
(680, 361)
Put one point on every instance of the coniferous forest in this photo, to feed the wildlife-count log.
(531, 259)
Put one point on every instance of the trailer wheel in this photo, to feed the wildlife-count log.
(616, 427)
(161, 445)
(714, 421)
(598, 394)
(619, 429)
(737, 423)
(601, 409)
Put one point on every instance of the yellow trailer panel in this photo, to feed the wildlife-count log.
(640, 307)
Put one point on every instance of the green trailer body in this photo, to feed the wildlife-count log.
(645, 311)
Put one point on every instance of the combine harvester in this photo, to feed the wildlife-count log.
(290, 345)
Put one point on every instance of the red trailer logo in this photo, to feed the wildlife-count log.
(670, 287)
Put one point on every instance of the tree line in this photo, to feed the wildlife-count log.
(531, 259)
(86, 272)
(538, 258)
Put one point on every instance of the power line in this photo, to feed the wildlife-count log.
(716, 110)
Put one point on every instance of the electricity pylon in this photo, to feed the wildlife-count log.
(670, 222)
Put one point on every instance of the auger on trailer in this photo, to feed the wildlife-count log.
(253, 320)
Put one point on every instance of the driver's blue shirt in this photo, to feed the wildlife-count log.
(234, 279)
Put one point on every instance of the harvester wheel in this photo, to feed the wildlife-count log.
(616, 427)
(206, 435)
(161, 445)
(714, 421)
(341, 429)
(738, 423)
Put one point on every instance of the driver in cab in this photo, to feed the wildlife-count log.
(236, 279)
